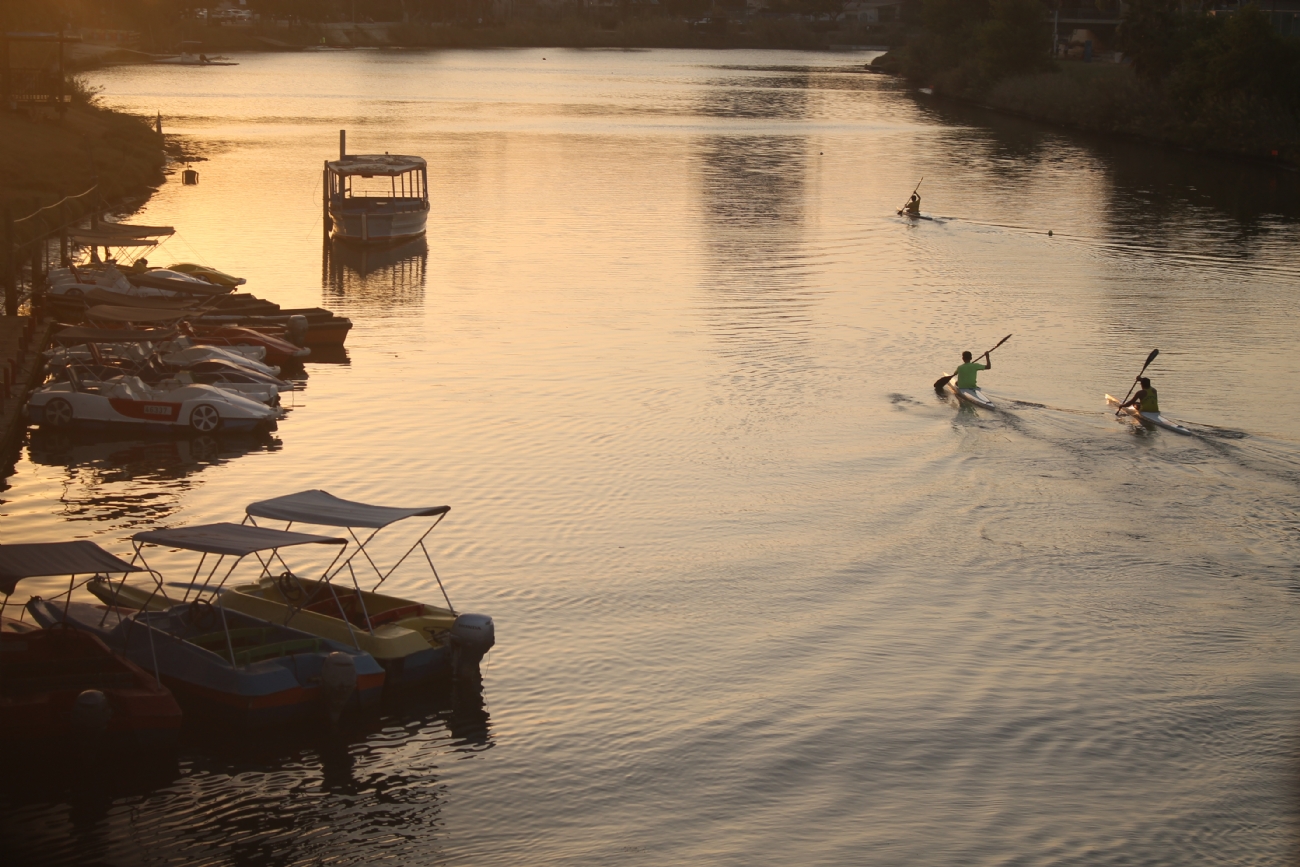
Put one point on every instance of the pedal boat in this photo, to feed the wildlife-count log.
(57, 684)
(235, 666)
(412, 640)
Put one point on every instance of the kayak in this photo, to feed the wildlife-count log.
(1154, 418)
(973, 395)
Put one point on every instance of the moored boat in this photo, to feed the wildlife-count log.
(234, 666)
(60, 683)
(375, 198)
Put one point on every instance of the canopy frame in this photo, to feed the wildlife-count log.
(268, 509)
(176, 539)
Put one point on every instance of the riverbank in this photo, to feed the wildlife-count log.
(569, 32)
(45, 156)
(1111, 98)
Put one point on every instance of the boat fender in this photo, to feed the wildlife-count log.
(91, 712)
(338, 680)
(472, 636)
(296, 330)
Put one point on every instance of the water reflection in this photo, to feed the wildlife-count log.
(134, 482)
(374, 791)
(780, 96)
(390, 276)
(757, 304)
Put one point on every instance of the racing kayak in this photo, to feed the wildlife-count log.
(972, 395)
(1154, 418)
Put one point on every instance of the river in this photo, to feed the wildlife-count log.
(762, 596)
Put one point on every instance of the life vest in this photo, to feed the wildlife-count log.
(1149, 402)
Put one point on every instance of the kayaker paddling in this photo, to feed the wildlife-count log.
(1146, 400)
(968, 370)
(913, 206)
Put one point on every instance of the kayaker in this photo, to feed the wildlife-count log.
(913, 207)
(1145, 400)
(968, 370)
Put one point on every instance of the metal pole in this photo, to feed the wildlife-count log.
(343, 143)
(11, 287)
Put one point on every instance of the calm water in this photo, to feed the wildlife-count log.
(762, 597)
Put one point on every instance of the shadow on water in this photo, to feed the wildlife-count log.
(1160, 183)
(372, 792)
(132, 481)
(392, 276)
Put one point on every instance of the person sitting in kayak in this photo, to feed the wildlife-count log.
(1145, 400)
(968, 370)
(913, 206)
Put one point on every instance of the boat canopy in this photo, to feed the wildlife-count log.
(323, 508)
(43, 559)
(78, 334)
(237, 540)
(368, 165)
(127, 230)
(114, 313)
(110, 239)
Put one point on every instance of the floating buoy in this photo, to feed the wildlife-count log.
(1049, 233)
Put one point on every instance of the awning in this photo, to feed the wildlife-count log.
(384, 165)
(109, 239)
(238, 540)
(320, 507)
(127, 230)
(114, 313)
(78, 334)
(41, 559)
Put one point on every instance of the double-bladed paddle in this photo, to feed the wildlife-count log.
(1150, 358)
(943, 380)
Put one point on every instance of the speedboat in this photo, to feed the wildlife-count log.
(57, 683)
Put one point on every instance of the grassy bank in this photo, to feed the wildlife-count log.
(44, 155)
(1108, 97)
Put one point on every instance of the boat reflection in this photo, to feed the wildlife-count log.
(390, 276)
(286, 798)
(131, 481)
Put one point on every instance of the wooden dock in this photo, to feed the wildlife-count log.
(22, 338)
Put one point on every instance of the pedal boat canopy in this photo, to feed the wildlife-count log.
(226, 539)
(45, 559)
(327, 510)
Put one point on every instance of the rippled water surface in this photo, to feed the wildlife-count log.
(762, 596)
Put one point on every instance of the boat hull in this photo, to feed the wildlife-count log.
(371, 226)
(44, 671)
(255, 694)
(972, 396)
(1152, 418)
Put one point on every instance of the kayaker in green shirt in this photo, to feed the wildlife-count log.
(968, 370)
(1146, 399)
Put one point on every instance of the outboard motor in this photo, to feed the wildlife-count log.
(91, 713)
(296, 330)
(472, 636)
(338, 680)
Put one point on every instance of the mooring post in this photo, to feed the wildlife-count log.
(63, 229)
(325, 198)
(158, 123)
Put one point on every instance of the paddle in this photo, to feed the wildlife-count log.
(918, 186)
(943, 380)
(1150, 358)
